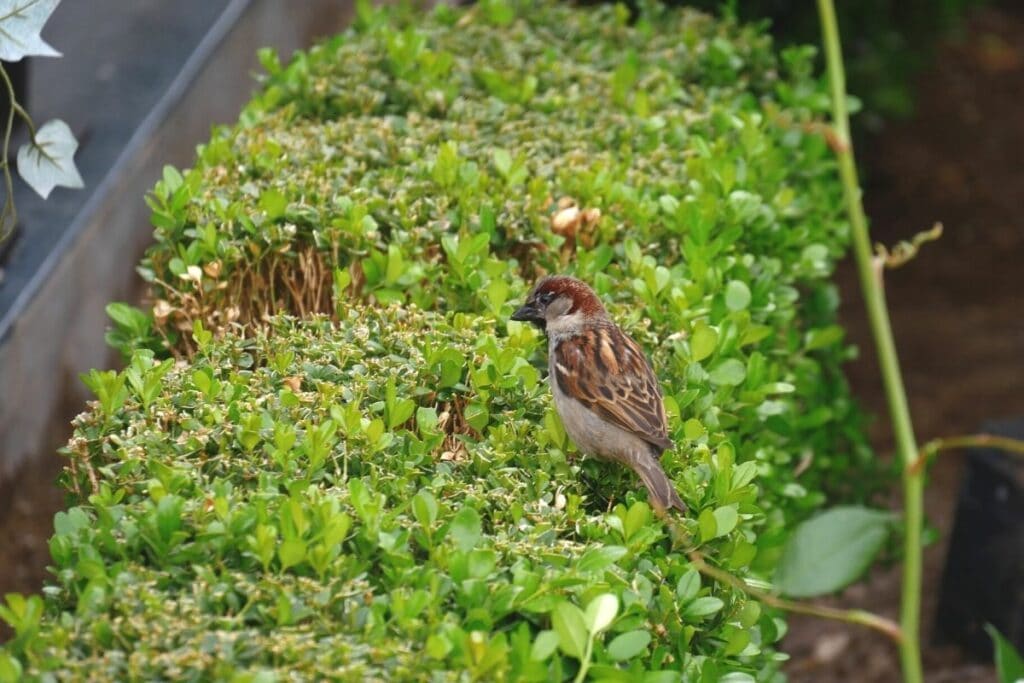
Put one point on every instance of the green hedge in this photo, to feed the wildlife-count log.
(356, 499)
(379, 488)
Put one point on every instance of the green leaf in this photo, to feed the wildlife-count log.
(10, 668)
(726, 519)
(707, 524)
(601, 612)
(703, 607)
(730, 372)
(688, 586)
(826, 336)
(737, 295)
(477, 416)
(628, 645)
(466, 529)
(600, 558)
(571, 628)
(703, 341)
(1009, 665)
(831, 550)
(49, 160)
(544, 645)
(291, 552)
(424, 507)
(273, 203)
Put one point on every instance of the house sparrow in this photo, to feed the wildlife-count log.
(604, 389)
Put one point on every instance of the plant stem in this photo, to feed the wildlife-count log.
(874, 298)
(852, 616)
(932, 448)
(581, 675)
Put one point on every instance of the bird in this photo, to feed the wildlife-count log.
(603, 386)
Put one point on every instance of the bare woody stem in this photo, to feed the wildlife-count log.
(860, 617)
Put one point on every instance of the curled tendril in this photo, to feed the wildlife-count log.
(905, 251)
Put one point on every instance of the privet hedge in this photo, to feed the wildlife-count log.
(376, 487)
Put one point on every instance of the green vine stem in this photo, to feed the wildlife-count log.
(933, 447)
(874, 298)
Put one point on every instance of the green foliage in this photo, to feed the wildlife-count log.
(382, 488)
(1009, 664)
(887, 41)
(831, 550)
(261, 512)
(361, 173)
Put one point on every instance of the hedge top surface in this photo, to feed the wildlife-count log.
(356, 500)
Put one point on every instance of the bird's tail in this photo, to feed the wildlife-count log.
(663, 494)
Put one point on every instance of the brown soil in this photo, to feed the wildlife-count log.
(957, 312)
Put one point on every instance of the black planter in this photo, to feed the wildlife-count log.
(983, 582)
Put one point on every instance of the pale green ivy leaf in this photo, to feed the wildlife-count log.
(50, 162)
(21, 22)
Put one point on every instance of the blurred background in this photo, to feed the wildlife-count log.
(940, 137)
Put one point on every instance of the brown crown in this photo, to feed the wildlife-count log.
(583, 297)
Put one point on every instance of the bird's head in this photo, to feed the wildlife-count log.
(561, 303)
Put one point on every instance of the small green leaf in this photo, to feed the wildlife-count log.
(703, 341)
(291, 552)
(693, 429)
(600, 612)
(730, 372)
(10, 668)
(544, 645)
(688, 586)
(599, 559)
(426, 419)
(628, 645)
(826, 336)
(273, 203)
(831, 550)
(424, 507)
(466, 529)
(571, 628)
(737, 295)
(1009, 665)
(707, 524)
(703, 607)
(726, 519)
(477, 416)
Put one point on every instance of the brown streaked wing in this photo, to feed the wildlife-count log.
(620, 385)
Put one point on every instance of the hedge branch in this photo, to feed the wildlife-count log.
(852, 616)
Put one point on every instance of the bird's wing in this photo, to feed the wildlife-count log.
(618, 384)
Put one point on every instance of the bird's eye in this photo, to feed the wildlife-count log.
(546, 298)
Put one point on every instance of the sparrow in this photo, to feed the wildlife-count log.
(603, 386)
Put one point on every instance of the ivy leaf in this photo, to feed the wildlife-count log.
(831, 550)
(50, 162)
(21, 22)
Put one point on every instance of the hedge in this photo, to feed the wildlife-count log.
(348, 465)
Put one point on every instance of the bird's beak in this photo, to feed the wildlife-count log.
(529, 313)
